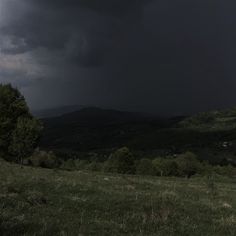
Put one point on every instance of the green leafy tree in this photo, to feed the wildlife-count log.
(19, 131)
(188, 164)
(165, 167)
(25, 138)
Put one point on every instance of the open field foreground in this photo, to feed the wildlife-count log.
(53, 202)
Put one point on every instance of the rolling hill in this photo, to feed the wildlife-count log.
(95, 128)
(212, 135)
(56, 111)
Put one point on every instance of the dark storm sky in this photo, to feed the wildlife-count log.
(163, 56)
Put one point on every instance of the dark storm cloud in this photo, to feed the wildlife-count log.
(83, 29)
(165, 56)
(111, 7)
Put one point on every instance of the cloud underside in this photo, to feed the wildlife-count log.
(161, 56)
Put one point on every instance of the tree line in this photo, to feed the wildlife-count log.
(123, 161)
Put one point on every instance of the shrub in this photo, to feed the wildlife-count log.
(206, 169)
(94, 166)
(188, 164)
(121, 161)
(44, 159)
(145, 167)
(165, 167)
(81, 164)
(224, 170)
(69, 165)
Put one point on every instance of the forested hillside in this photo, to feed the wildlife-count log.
(212, 135)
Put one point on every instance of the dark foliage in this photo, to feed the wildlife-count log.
(19, 131)
(212, 136)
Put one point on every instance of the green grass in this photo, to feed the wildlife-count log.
(53, 202)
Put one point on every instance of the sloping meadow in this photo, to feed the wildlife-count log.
(36, 201)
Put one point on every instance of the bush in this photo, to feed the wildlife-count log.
(44, 159)
(206, 169)
(81, 164)
(68, 165)
(121, 161)
(188, 164)
(165, 167)
(94, 166)
(224, 170)
(145, 167)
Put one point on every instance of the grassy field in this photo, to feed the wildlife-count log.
(53, 202)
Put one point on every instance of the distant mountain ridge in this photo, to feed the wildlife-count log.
(99, 116)
(56, 111)
(95, 128)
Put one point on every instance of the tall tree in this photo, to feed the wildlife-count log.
(16, 124)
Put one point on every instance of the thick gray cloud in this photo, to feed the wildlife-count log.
(162, 56)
